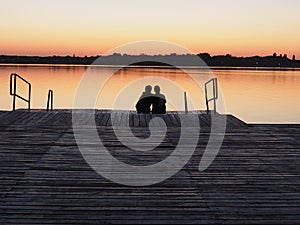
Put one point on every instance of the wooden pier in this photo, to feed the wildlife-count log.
(255, 178)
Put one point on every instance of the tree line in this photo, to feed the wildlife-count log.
(156, 60)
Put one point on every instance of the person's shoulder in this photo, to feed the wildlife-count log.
(162, 96)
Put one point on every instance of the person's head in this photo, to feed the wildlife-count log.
(148, 88)
(156, 89)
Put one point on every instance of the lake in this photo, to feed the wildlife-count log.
(255, 96)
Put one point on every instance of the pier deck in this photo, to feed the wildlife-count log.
(255, 178)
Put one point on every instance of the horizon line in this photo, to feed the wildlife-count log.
(143, 54)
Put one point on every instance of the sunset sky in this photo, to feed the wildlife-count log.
(92, 27)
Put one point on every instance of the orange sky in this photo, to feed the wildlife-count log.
(91, 27)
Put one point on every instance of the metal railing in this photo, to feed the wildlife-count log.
(214, 97)
(13, 90)
(185, 103)
(50, 100)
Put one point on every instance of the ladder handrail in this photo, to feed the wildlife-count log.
(13, 90)
(185, 103)
(215, 94)
(50, 100)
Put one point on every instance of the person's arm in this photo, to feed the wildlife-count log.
(165, 101)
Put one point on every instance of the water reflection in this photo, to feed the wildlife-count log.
(253, 95)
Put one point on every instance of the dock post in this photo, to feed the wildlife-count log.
(50, 101)
(15, 90)
(185, 103)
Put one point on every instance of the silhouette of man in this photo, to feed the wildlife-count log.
(159, 102)
(144, 103)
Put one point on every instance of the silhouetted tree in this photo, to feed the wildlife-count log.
(205, 57)
(184, 59)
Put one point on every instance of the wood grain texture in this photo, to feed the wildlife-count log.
(44, 179)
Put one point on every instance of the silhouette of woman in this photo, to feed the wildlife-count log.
(159, 102)
(144, 103)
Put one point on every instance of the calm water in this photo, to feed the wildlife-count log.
(262, 96)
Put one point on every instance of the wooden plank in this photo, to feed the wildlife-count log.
(45, 179)
(125, 118)
(135, 119)
(167, 120)
(147, 119)
(105, 119)
(131, 119)
(174, 121)
(98, 118)
(142, 120)
(154, 122)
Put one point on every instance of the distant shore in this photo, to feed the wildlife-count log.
(156, 67)
(222, 61)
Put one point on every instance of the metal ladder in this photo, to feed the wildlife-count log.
(214, 97)
(13, 90)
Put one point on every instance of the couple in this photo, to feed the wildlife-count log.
(147, 99)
